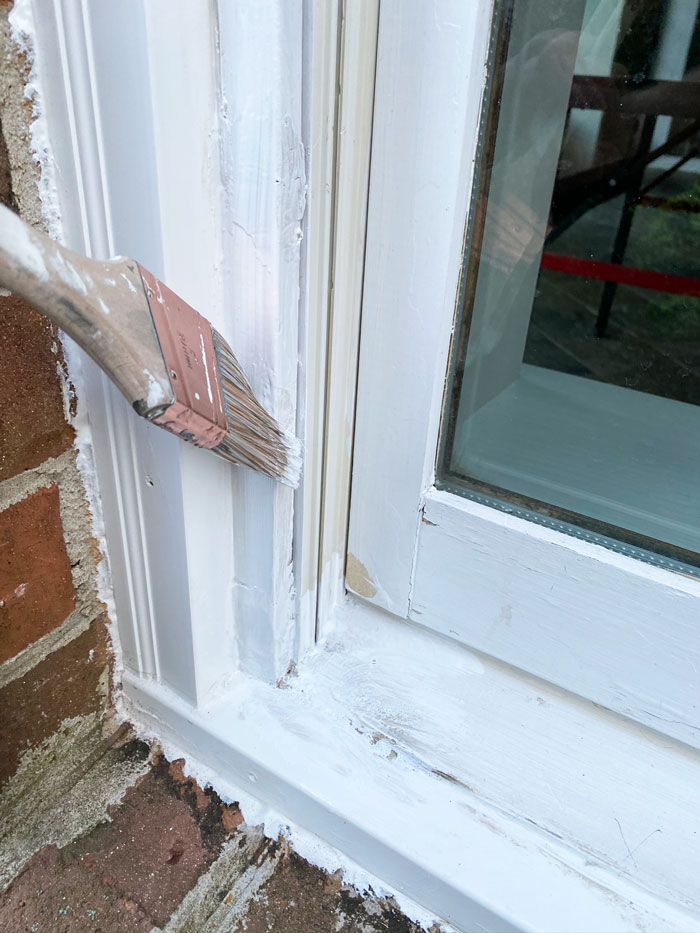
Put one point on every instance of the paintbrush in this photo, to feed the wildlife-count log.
(175, 368)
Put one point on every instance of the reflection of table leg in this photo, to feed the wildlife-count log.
(618, 254)
(625, 226)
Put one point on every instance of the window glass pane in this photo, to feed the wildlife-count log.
(575, 375)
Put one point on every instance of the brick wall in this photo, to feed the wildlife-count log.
(54, 660)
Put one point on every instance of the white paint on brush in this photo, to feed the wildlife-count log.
(67, 272)
(75, 279)
(17, 242)
(132, 287)
(156, 395)
(206, 368)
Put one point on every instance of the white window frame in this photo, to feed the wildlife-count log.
(598, 622)
(201, 560)
(131, 182)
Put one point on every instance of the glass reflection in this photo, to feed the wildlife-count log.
(575, 378)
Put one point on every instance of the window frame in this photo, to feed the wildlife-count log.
(601, 624)
(291, 756)
(115, 107)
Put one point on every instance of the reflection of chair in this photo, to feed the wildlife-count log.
(578, 193)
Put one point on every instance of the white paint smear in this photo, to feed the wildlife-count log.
(17, 241)
(155, 396)
(21, 20)
(132, 287)
(206, 369)
(67, 272)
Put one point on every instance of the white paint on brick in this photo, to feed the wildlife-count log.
(275, 825)
(23, 31)
(22, 26)
(33, 796)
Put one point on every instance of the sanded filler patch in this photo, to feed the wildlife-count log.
(358, 579)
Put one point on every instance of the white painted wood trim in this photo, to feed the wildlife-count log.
(263, 178)
(340, 66)
(400, 749)
(622, 633)
(321, 61)
(184, 101)
(358, 43)
(161, 154)
(612, 629)
(106, 179)
(414, 238)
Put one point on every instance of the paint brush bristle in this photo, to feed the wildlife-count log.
(166, 358)
(254, 439)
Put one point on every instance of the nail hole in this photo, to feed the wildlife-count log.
(173, 374)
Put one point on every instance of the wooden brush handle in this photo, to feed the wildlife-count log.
(101, 305)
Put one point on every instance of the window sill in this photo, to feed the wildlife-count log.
(491, 798)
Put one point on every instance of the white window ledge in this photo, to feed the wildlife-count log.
(491, 798)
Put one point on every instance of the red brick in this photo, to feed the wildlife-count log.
(129, 873)
(36, 587)
(65, 684)
(65, 898)
(231, 817)
(32, 420)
